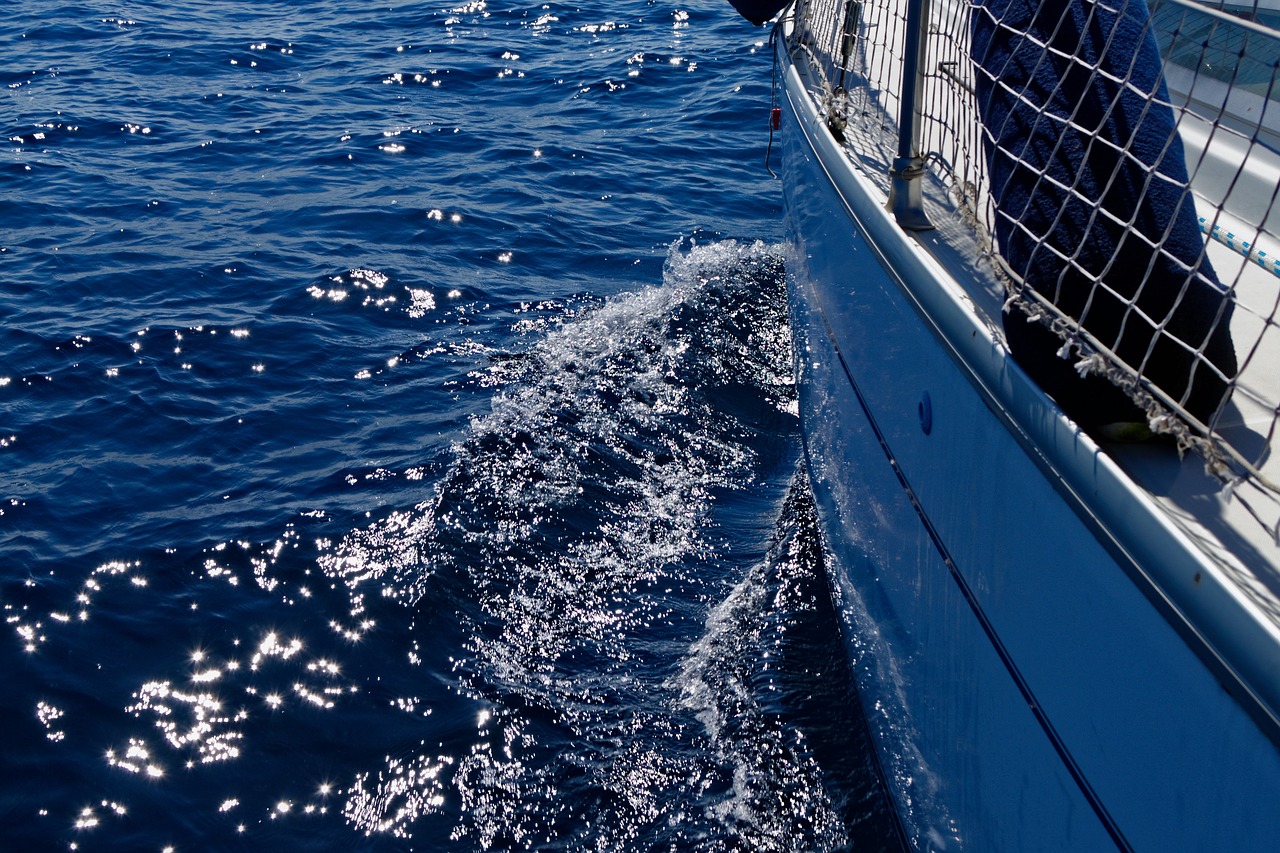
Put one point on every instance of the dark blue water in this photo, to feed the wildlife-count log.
(398, 440)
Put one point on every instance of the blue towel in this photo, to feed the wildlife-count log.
(1055, 119)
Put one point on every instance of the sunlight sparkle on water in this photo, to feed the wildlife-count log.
(271, 647)
(135, 759)
(47, 714)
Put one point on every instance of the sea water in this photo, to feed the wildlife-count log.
(398, 440)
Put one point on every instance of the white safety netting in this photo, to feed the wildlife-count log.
(1118, 162)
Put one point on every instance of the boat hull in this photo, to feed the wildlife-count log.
(1025, 692)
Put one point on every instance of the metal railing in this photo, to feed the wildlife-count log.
(1153, 316)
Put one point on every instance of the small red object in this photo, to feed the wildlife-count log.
(776, 120)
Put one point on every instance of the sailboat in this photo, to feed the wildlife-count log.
(1034, 276)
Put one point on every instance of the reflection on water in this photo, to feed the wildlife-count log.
(348, 505)
(579, 639)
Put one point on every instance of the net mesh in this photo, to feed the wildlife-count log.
(1118, 163)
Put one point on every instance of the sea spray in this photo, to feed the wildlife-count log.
(572, 537)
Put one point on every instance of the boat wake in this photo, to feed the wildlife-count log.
(604, 628)
(576, 543)
(771, 683)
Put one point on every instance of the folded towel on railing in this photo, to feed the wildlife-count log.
(1093, 206)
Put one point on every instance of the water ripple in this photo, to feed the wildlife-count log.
(377, 472)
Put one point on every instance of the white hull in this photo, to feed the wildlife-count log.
(1046, 660)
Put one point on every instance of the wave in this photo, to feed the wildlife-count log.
(574, 542)
(604, 629)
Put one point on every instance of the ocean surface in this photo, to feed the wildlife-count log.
(398, 439)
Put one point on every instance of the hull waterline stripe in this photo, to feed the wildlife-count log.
(1046, 725)
(1099, 809)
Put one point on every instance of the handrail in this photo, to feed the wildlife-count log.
(905, 197)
